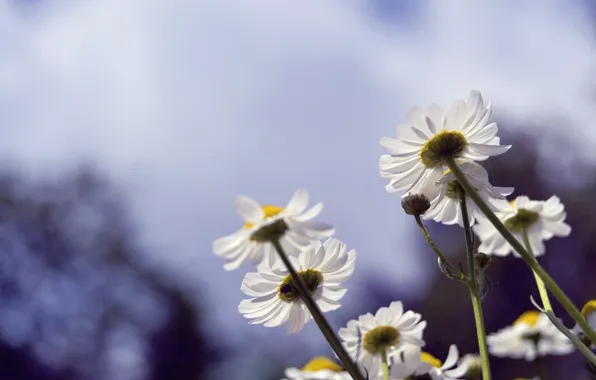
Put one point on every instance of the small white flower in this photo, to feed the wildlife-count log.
(319, 368)
(531, 335)
(389, 330)
(433, 136)
(296, 374)
(589, 313)
(444, 196)
(413, 361)
(292, 225)
(277, 299)
(541, 219)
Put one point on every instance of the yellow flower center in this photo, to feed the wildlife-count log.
(269, 212)
(589, 308)
(529, 318)
(289, 292)
(380, 339)
(523, 219)
(428, 358)
(321, 363)
(444, 145)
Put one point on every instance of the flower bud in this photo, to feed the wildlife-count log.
(415, 204)
(482, 260)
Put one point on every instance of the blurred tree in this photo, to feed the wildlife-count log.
(76, 301)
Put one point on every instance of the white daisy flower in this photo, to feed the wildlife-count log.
(589, 313)
(531, 335)
(431, 137)
(444, 195)
(541, 219)
(413, 362)
(276, 298)
(292, 225)
(389, 330)
(319, 368)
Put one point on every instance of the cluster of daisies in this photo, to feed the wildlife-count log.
(399, 336)
(389, 344)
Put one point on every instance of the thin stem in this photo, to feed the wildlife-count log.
(473, 285)
(541, 288)
(385, 365)
(317, 315)
(529, 260)
(432, 244)
(540, 365)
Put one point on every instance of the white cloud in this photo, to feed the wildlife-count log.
(190, 103)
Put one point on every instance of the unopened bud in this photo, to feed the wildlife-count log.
(584, 338)
(482, 260)
(415, 204)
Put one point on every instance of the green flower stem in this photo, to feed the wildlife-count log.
(473, 285)
(530, 260)
(385, 366)
(540, 366)
(541, 288)
(317, 315)
(432, 244)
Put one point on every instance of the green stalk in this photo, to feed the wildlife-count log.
(385, 365)
(540, 366)
(528, 259)
(539, 283)
(317, 315)
(432, 244)
(473, 286)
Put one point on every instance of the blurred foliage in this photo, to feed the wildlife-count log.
(76, 302)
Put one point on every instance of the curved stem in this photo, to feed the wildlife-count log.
(528, 259)
(385, 365)
(473, 285)
(432, 244)
(317, 315)
(539, 283)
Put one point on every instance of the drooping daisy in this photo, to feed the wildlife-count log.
(589, 313)
(319, 368)
(541, 219)
(414, 364)
(389, 330)
(276, 297)
(444, 195)
(292, 225)
(431, 137)
(531, 335)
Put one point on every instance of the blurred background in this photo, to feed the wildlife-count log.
(129, 127)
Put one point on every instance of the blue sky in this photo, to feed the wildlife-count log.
(187, 104)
